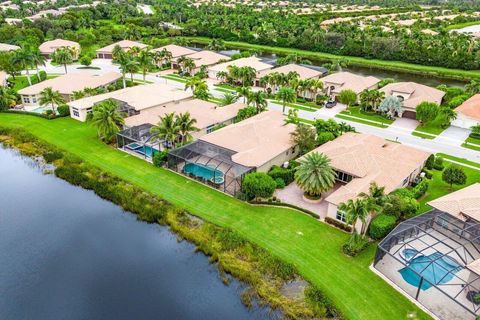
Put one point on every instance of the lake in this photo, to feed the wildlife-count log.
(65, 253)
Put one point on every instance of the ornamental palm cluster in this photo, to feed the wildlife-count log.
(107, 120)
(315, 175)
(172, 128)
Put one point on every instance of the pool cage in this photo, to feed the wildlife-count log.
(434, 258)
(139, 141)
(210, 164)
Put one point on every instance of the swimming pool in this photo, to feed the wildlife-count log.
(143, 150)
(42, 110)
(205, 172)
(436, 272)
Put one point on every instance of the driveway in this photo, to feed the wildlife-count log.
(408, 125)
(453, 135)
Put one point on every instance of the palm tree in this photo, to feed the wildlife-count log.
(38, 60)
(314, 175)
(7, 98)
(355, 210)
(244, 92)
(78, 94)
(259, 100)
(117, 53)
(448, 115)
(222, 75)
(51, 97)
(186, 64)
(186, 125)
(63, 56)
(23, 58)
(286, 95)
(132, 67)
(123, 61)
(167, 129)
(107, 119)
(144, 60)
(228, 98)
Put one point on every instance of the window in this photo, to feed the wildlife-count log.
(26, 100)
(344, 177)
(210, 128)
(341, 216)
(34, 99)
(76, 113)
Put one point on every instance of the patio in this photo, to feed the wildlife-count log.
(292, 194)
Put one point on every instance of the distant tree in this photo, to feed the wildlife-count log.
(304, 137)
(292, 117)
(315, 175)
(24, 59)
(426, 112)
(454, 174)
(347, 97)
(447, 115)
(63, 56)
(51, 97)
(216, 45)
(145, 62)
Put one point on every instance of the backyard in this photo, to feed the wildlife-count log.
(313, 247)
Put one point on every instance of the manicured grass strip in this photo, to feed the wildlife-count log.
(224, 90)
(371, 116)
(459, 160)
(225, 87)
(399, 66)
(295, 106)
(178, 79)
(423, 135)
(430, 130)
(313, 247)
(471, 146)
(437, 188)
(362, 121)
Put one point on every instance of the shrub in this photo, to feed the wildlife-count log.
(42, 75)
(159, 158)
(286, 174)
(86, 60)
(430, 162)
(474, 135)
(51, 156)
(355, 244)
(381, 225)
(338, 224)
(420, 189)
(324, 137)
(454, 174)
(283, 204)
(63, 110)
(427, 111)
(428, 174)
(258, 185)
(438, 164)
(280, 183)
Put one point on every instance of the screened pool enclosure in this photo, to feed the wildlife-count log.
(209, 164)
(435, 259)
(139, 141)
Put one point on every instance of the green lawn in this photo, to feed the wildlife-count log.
(297, 238)
(428, 131)
(403, 67)
(462, 25)
(472, 143)
(370, 123)
(298, 106)
(438, 188)
(174, 78)
(21, 82)
(372, 118)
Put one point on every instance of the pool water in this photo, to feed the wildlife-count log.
(42, 110)
(205, 172)
(436, 272)
(143, 150)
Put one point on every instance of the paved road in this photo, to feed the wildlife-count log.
(448, 142)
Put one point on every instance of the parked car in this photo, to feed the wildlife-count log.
(330, 104)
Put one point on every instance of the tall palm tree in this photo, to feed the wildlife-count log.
(23, 58)
(286, 95)
(51, 97)
(145, 62)
(123, 61)
(355, 210)
(38, 59)
(107, 119)
(244, 92)
(78, 94)
(186, 125)
(63, 56)
(259, 100)
(132, 67)
(167, 129)
(222, 76)
(7, 98)
(228, 98)
(315, 175)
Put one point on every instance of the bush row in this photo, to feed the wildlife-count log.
(381, 225)
(338, 224)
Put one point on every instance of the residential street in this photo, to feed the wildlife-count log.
(448, 142)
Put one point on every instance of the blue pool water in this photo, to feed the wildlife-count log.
(143, 150)
(205, 172)
(42, 109)
(436, 272)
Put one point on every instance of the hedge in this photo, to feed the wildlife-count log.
(338, 224)
(287, 175)
(381, 225)
(288, 205)
(420, 189)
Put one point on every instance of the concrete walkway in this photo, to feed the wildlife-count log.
(406, 124)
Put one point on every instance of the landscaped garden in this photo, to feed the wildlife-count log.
(313, 247)
(356, 114)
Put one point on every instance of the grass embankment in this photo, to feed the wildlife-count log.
(313, 248)
(369, 118)
(438, 188)
(403, 67)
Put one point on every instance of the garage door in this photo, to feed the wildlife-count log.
(409, 115)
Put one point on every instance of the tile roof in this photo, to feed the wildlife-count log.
(470, 108)
(49, 47)
(176, 51)
(418, 93)
(304, 72)
(253, 62)
(462, 203)
(351, 81)
(8, 47)
(124, 44)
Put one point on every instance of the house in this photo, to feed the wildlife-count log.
(205, 58)
(336, 82)
(411, 94)
(434, 257)
(66, 84)
(5, 47)
(305, 72)
(176, 51)
(132, 100)
(222, 157)
(106, 52)
(468, 113)
(49, 47)
(254, 62)
(363, 159)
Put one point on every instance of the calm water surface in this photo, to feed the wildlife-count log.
(67, 254)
